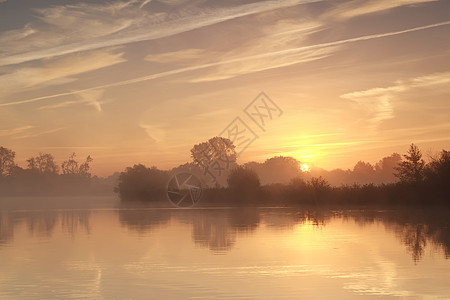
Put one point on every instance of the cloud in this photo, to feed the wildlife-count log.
(266, 56)
(357, 8)
(144, 3)
(276, 37)
(67, 29)
(233, 69)
(378, 102)
(14, 131)
(25, 132)
(401, 86)
(91, 98)
(250, 57)
(58, 71)
(155, 133)
(39, 133)
(185, 56)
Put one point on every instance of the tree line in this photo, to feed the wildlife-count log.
(43, 163)
(277, 180)
(414, 180)
(44, 176)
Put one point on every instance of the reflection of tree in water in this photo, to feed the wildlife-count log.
(7, 223)
(42, 223)
(288, 218)
(72, 221)
(421, 228)
(211, 229)
(415, 228)
(143, 220)
(217, 229)
(244, 219)
(414, 237)
(317, 217)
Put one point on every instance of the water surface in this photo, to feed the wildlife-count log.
(223, 253)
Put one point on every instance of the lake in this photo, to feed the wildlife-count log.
(108, 251)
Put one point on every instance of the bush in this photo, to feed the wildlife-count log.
(243, 182)
(142, 183)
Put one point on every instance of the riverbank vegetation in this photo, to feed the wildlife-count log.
(225, 182)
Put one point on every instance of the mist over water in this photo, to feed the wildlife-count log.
(107, 250)
(257, 149)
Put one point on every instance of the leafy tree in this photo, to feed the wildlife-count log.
(388, 163)
(215, 149)
(318, 187)
(362, 167)
(438, 170)
(363, 172)
(44, 163)
(216, 157)
(6, 161)
(385, 168)
(243, 180)
(278, 169)
(142, 183)
(72, 167)
(411, 170)
(318, 183)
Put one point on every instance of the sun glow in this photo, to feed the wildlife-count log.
(304, 168)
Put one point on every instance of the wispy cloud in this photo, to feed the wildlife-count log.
(72, 28)
(277, 37)
(357, 8)
(58, 71)
(38, 133)
(185, 56)
(91, 98)
(269, 55)
(144, 3)
(378, 102)
(401, 86)
(26, 132)
(154, 132)
(14, 131)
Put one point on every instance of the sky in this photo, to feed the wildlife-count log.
(143, 81)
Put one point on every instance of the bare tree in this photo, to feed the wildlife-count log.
(72, 167)
(44, 163)
(6, 161)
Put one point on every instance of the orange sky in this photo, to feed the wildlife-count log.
(143, 81)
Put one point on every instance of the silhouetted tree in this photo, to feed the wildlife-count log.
(6, 161)
(440, 167)
(385, 168)
(319, 186)
(215, 156)
(44, 163)
(216, 148)
(72, 167)
(279, 169)
(243, 182)
(142, 183)
(411, 170)
(437, 175)
(318, 183)
(363, 172)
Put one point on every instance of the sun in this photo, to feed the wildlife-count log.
(304, 168)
